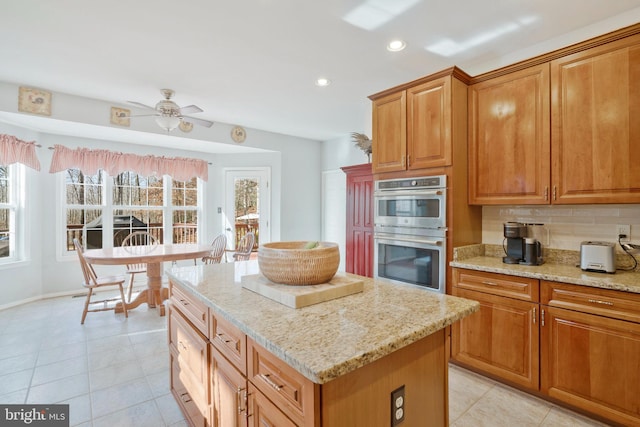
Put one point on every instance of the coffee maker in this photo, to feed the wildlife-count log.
(518, 248)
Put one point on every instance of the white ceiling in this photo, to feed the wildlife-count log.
(254, 62)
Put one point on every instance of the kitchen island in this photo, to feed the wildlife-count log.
(335, 363)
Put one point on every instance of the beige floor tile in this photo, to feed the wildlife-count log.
(114, 375)
(79, 409)
(465, 388)
(119, 397)
(17, 363)
(169, 409)
(60, 390)
(565, 418)
(15, 381)
(141, 415)
(58, 370)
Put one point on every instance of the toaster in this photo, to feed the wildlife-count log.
(598, 256)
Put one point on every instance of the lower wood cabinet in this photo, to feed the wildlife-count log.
(592, 361)
(189, 358)
(501, 338)
(579, 345)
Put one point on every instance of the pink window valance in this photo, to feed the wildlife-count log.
(14, 150)
(114, 163)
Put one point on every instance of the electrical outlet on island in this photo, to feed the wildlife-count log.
(624, 233)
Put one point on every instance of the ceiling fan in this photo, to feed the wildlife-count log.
(170, 116)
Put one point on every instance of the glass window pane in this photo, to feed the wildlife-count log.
(185, 226)
(81, 222)
(4, 184)
(4, 233)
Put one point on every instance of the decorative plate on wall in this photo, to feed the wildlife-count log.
(238, 134)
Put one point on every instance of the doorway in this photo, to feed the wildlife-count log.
(247, 204)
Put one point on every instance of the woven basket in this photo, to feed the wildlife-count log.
(289, 263)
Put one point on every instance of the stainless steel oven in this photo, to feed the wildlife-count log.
(410, 231)
(413, 203)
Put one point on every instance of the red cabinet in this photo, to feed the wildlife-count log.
(359, 229)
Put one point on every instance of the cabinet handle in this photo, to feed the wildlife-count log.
(409, 160)
(219, 336)
(546, 193)
(542, 320)
(404, 161)
(186, 399)
(534, 315)
(599, 301)
(241, 400)
(554, 192)
(184, 302)
(269, 381)
(486, 282)
(184, 347)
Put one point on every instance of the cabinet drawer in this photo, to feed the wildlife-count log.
(193, 309)
(603, 302)
(284, 386)
(521, 288)
(264, 413)
(191, 353)
(230, 341)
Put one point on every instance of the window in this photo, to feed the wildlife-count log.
(11, 244)
(101, 210)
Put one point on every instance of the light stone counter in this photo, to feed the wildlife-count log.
(330, 339)
(558, 270)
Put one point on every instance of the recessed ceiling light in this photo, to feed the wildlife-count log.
(322, 81)
(396, 45)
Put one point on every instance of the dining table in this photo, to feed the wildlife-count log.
(152, 255)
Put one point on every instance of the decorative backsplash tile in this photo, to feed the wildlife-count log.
(565, 227)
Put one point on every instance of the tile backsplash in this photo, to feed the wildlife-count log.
(564, 226)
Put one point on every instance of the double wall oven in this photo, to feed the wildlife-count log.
(410, 231)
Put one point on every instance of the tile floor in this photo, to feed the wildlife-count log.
(114, 372)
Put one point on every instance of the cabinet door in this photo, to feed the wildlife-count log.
(429, 124)
(500, 339)
(592, 362)
(389, 146)
(596, 131)
(509, 147)
(189, 368)
(359, 239)
(263, 413)
(229, 392)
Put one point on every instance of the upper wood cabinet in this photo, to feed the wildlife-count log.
(564, 131)
(509, 134)
(595, 111)
(413, 125)
(389, 146)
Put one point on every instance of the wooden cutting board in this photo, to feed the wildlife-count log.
(301, 296)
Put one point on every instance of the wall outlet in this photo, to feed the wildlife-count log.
(624, 229)
(397, 406)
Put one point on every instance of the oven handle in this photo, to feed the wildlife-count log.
(393, 193)
(407, 240)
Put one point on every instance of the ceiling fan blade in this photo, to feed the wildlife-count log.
(197, 121)
(142, 115)
(190, 109)
(141, 105)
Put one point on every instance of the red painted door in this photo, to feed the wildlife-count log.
(359, 239)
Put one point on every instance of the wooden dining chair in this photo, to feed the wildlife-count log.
(217, 250)
(92, 281)
(243, 251)
(137, 238)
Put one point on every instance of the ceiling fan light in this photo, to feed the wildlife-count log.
(168, 123)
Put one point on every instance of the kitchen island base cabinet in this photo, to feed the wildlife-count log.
(363, 397)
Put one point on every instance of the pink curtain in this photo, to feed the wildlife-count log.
(14, 150)
(90, 161)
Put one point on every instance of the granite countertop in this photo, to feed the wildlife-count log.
(559, 268)
(330, 339)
